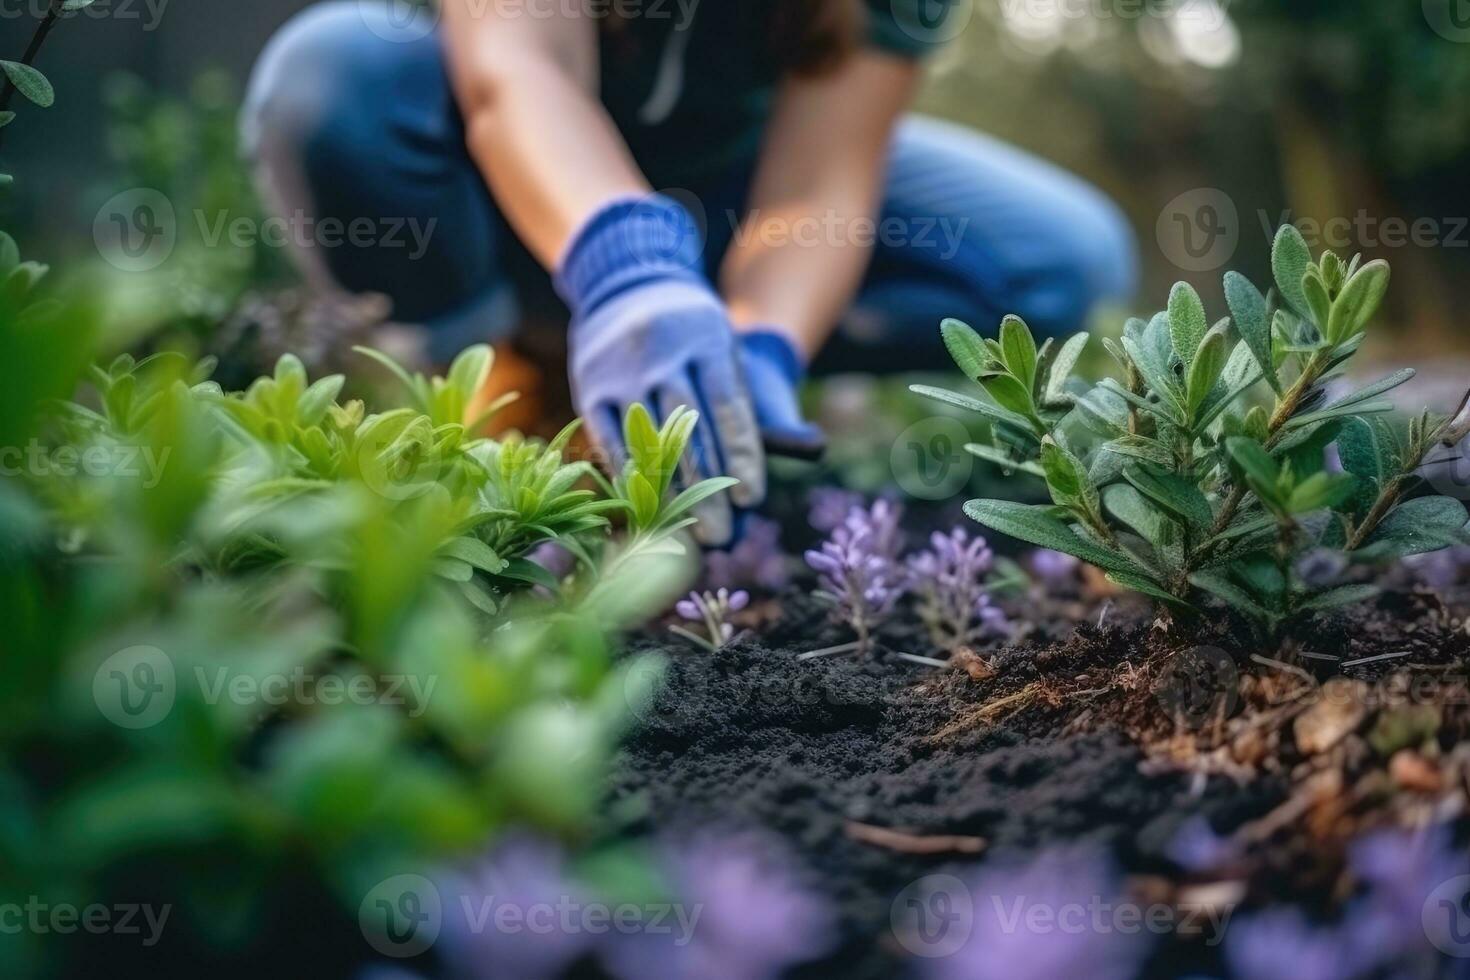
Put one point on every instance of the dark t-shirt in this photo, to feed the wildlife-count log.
(690, 82)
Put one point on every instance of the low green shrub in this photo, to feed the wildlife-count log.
(1202, 470)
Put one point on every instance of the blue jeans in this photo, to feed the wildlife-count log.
(344, 120)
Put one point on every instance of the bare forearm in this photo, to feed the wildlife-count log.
(800, 255)
(548, 150)
(797, 263)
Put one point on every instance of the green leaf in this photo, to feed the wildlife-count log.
(1205, 371)
(474, 552)
(966, 347)
(1315, 291)
(1290, 259)
(1361, 455)
(1144, 516)
(643, 498)
(6, 118)
(1174, 493)
(29, 82)
(1142, 447)
(1358, 301)
(1319, 491)
(1338, 411)
(696, 494)
(396, 369)
(1415, 527)
(1062, 368)
(1187, 324)
(1256, 464)
(1220, 585)
(1252, 319)
(1067, 478)
(1342, 595)
(998, 456)
(468, 372)
(1011, 395)
(525, 570)
(1020, 352)
(642, 441)
(990, 410)
(1148, 587)
(1035, 525)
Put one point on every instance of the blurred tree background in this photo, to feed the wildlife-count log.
(1210, 121)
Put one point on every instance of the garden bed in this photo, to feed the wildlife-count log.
(1216, 794)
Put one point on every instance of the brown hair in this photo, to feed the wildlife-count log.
(810, 37)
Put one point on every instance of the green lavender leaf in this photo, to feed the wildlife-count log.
(1290, 259)
(1187, 324)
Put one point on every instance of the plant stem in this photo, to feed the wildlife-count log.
(53, 12)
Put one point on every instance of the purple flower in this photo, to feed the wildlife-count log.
(830, 507)
(1053, 568)
(1321, 567)
(523, 880)
(1280, 944)
(1440, 569)
(756, 562)
(1196, 847)
(1400, 869)
(858, 570)
(741, 915)
(710, 610)
(949, 579)
(1060, 915)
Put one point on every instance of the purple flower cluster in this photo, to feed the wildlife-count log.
(1054, 568)
(1440, 569)
(858, 568)
(1386, 930)
(710, 610)
(737, 911)
(756, 919)
(949, 579)
(829, 507)
(1008, 940)
(757, 561)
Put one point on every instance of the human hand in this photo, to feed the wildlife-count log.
(646, 327)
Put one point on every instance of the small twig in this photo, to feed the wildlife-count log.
(829, 651)
(926, 661)
(1375, 659)
(908, 843)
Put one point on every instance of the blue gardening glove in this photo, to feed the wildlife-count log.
(647, 327)
(773, 372)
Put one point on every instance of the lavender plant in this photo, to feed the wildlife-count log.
(859, 573)
(949, 578)
(711, 610)
(1200, 471)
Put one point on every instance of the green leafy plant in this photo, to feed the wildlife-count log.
(1201, 469)
(285, 533)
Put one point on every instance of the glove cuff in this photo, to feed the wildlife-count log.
(630, 241)
(776, 350)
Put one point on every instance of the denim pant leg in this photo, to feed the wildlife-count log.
(350, 118)
(974, 229)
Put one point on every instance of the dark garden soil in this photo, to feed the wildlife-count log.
(1114, 732)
